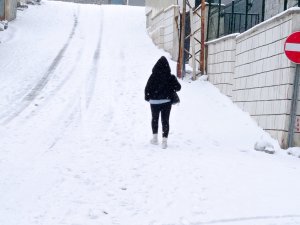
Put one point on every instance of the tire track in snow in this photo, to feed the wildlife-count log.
(91, 83)
(44, 80)
(94, 71)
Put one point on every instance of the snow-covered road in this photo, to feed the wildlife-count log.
(75, 132)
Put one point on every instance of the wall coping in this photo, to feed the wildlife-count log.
(157, 14)
(171, 7)
(230, 36)
(149, 11)
(284, 14)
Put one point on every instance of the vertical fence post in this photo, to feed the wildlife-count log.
(208, 20)
(219, 17)
(192, 38)
(285, 5)
(180, 67)
(232, 17)
(246, 18)
(263, 10)
(294, 102)
(202, 53)
(298, 3)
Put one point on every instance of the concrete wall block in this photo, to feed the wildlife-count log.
(236, 71)
(269, 79)
(239, 95)
(285, 62)
(297, 139)
(168, 38)
(237, 61)
(222, 46)
(286, 92)
(264, 51)
(255, 41)
(238, 48)
(266, 64)
(276, 76)
(262, 79)
(251, 55)
(232, 67)
(257, 54)
(262, 121)
(211, 48)
(209, 69)
(290, 90)
(260, 66)
(253, 108)
(272, 93)
(269, 37)
(257, 108)
(284, 29)
(281, 121)
(278, 47)
(285, 107)
(168, 30)
(265, 93)
(271, 49)
(262, 39)
(288, 75)
(255, 80)
(243, 71)
(276, 35)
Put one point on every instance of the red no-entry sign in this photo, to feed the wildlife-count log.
(292, 47)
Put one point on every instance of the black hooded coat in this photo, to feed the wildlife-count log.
(161, 84)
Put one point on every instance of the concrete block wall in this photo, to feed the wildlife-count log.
(253, 69)
(155, 28)
(163, 29)
(263, 77)
(221, 63)
(171, 33)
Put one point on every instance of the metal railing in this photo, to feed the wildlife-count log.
(237, 16)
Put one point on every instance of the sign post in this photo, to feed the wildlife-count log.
(292, 51)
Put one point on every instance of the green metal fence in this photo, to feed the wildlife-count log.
(237, 16)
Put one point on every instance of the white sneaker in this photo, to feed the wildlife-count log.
(164, 144)
(154, 140)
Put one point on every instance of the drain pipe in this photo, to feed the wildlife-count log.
(294, 107)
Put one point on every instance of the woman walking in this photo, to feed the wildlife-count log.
(159, 92)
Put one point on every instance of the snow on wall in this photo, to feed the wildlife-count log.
(261, 75)
(221, 62)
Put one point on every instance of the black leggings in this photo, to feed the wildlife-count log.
(165, 110)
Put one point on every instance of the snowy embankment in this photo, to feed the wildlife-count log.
(75, 133)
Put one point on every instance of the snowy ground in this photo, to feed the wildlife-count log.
(75, 133)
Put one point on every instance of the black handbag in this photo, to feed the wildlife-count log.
(175, 98)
